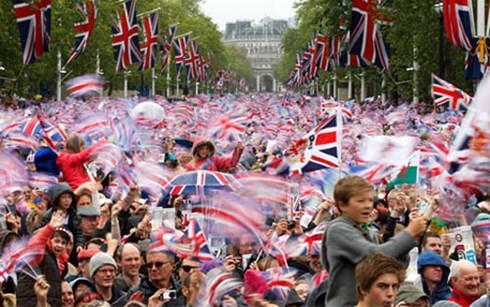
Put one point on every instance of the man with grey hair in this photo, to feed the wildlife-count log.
(465, 279)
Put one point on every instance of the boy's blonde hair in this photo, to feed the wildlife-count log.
(349, 186)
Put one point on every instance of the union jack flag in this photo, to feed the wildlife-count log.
(203, 68)
(83, 29)
(41, 181)
(280, 278)
(125, 40)
(322, 52)
(366, 40)
(34, 21)
(346, 58)
(192, 62)
(148, 48)
(217, 284)
(166, 46)
(458, 22)
(199, 244)
(476, 61)
(180, 49)
(307, 244)
(321, 147)
(449, 96)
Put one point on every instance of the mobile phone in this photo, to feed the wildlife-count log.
(168, 295)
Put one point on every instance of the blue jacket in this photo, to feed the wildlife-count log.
(442, 291)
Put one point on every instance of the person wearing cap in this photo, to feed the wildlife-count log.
(83, 258)
(411, 296)
(434, 273)
(88, 220)
(80, 286)
(203, 157)
(51, 240)
(103, 270)
(378, 278)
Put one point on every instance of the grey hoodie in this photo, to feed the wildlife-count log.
(344, 245)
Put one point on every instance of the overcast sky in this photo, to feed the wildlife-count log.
(223, 11)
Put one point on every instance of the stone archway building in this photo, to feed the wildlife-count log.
(262, 40)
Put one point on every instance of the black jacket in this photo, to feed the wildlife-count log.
(49, 268)
(148, 289)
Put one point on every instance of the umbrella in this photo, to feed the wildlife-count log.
(148, 109)
(201, 182)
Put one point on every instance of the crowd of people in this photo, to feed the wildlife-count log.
(82, 240)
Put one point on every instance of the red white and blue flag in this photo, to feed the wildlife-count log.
(448, 96)
(320, 148)
(180, 49)
(458, 22)
(166, 46)
(34, 21)
(149, 47)
(83, 29)
(84, 85)
(192, 61)
(125, 39)
(199, 244)
(366, 40)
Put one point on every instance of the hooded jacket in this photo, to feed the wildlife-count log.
(442, 291)
(73, 219)
(344, 245)
(212, 163)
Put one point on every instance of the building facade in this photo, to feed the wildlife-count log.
(262, 41)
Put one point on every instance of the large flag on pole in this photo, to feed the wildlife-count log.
(366, 40)
(34, 21)
(125, 40)
(408, 173)
(320, 148)
(83, 29)
(148, 48)
(180, 49)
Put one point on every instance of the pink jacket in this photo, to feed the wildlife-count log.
(212, 163)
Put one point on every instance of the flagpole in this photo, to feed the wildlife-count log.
(363, 85)
(126, 73)
(153, 78)
(197, 88)
(415, 70)
(98, 71)
(58, 84)
(383, 86)
(349, 85)
(168, 75)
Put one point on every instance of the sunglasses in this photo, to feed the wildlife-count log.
(158, 264)
(188, 268)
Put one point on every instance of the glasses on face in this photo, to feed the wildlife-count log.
(157, 264)
(188, 268)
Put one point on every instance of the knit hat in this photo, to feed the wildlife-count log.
(99, 260)
(409, 294)
(446, 304)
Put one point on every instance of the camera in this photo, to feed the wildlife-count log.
(168, 295)
(291, 224)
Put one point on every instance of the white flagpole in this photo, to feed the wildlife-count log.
(58, 84)
(126, 84)
(153, 78)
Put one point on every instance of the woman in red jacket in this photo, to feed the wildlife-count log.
(71, 161)
(203, 157)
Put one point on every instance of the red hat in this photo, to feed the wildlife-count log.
(86, 254)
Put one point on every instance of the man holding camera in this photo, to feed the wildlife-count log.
(159, 265)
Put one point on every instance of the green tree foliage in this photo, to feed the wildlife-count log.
(414, 32)
(43, 74)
